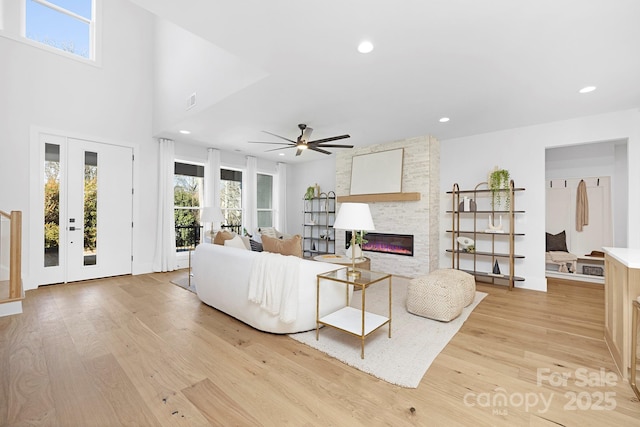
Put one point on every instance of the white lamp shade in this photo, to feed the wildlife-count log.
(354, 216)
(211, 214)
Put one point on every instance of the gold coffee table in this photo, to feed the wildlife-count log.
(358, 322)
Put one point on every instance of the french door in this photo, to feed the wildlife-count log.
(87, 207)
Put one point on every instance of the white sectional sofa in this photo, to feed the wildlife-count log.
(222, 278)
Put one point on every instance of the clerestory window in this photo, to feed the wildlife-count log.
(66, 25)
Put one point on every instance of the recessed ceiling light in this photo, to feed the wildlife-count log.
(444, 119)
(587, 89)
(365, 47)
(281, 154)
(185, 132)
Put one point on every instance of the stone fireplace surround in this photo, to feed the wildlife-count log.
(420, 218)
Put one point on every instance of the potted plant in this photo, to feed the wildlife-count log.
(360, 240)
(311, 191)
(498, 182)
(308, 197)
(356, 251)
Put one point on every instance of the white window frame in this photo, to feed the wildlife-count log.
(8, 29)
(201, 191)
(273, 196)
(243, 193)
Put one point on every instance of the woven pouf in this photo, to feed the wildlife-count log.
(435, 297)
(459, 278)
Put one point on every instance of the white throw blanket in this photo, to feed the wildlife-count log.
(273, 284)
(566, 261)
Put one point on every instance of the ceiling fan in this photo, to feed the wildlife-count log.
(303, 143)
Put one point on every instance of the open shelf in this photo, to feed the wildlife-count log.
(481, 253)
(489, 244)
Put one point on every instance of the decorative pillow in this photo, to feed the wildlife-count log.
(246, 241)
(236, 242)
(268, 231)
(255, 246)
(292, 246)
(221, 236)
(557, 242)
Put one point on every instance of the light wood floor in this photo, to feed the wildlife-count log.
(141, 351)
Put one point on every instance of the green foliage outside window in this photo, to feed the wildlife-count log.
(90, 209)
(187, 221)
(51, 212)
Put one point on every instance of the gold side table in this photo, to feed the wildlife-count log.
(358, 322)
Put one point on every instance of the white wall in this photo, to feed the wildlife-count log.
(468, 160)
(110, 102)
(188, 64)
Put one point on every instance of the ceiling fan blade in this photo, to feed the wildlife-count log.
(278, 136)
(281, 148)
(298, 152)
(333, 138)
(319, 150)
(264, 142)
(333, 146)
(306, 135)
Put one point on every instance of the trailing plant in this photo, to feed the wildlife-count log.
(311, 191)
(498, 181)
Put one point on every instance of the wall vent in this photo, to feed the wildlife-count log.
(191, 101)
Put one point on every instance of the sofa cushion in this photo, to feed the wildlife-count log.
(221, 236)
(268, 231)
(255, 246)
(292, 246)
(556, 242)
(236, 242)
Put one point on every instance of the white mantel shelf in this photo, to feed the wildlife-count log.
(380, 197)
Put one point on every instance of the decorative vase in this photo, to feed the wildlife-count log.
(355, 252)
(496, 268)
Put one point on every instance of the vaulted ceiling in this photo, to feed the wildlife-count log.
(486, 65)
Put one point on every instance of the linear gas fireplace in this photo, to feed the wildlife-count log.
(397, 244)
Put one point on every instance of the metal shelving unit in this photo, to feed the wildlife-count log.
(487, 240)
(318, 233)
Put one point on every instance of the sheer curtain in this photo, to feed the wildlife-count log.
(212, 181)
(164, 258)
(251, 207)
(281, 202)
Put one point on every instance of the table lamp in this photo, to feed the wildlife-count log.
(354, 216)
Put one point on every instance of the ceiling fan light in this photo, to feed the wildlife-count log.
(302, 146)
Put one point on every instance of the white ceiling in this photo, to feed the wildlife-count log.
(488, 65)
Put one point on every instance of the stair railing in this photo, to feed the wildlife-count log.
(11, 254)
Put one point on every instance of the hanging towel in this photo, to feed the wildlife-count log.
(582, 206)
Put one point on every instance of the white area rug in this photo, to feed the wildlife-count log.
(402, 359)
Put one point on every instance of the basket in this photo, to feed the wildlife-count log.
(592, 270)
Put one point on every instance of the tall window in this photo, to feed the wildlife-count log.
(231, 196)
(67, 25)
(265, 200)
(188, 180)
(52, 205)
